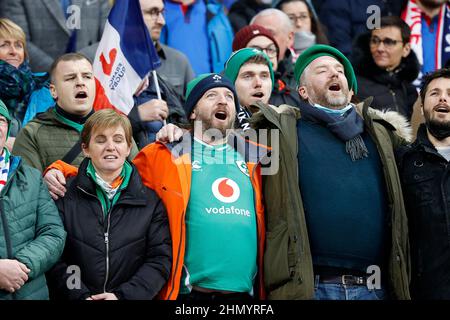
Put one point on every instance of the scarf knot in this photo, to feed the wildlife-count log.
(346, 124)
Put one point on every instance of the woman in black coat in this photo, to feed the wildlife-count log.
(118, 242)
(386, 67)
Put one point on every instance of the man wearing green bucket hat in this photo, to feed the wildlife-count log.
(32, 237)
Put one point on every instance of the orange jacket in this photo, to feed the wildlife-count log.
(167, 170)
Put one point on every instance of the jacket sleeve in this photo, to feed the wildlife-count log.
(27, 148)
(67, 170)
(142, 161)
(42, 253)
(154, 273)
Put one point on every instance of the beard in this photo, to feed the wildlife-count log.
(334, 102)
(438, 129)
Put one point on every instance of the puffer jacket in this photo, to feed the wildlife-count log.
(288, 266)
(390, 90)
(31, 230)
(46, 139)
(127, 253)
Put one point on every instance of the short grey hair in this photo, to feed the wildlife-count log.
(283, 17)
(302, 79)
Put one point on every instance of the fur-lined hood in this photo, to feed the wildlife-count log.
(399, 123)
(362, 60)
(396, 120)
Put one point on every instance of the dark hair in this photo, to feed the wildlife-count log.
(66, 57)
(257, 59)
(316, 27)
(394, 21)
(440, 73)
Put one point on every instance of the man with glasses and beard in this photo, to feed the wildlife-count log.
(423, 168)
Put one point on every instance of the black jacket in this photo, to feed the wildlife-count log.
(242, 11)
(391, 90)
(132, 258)
(283, 93)
(425, 176)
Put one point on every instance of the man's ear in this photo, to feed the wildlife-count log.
(421, 109)
(53, 91)
(303, 92)
(192, 116)
(350, 94)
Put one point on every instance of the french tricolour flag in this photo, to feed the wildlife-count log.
(124, 57)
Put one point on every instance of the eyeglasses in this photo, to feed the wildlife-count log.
(388, 42)
(271, 50)
(302, 17)
(154, 13)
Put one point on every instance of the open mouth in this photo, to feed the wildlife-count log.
(334, 87)
(442, 109)
(221, 115)
(258, 95)
(81, 95)
(110, 157)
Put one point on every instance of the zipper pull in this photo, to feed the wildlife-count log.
(106, 237)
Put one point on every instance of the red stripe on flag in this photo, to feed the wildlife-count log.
(101, 101)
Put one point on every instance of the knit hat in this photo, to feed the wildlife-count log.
(247, 33)
(319, 50)
(238, 58)
(197, 87)
(4, 112)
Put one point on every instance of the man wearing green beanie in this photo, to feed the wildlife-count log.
(33, 237)
(251, 72)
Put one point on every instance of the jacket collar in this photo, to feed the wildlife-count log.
(134, 194)
(422, 142)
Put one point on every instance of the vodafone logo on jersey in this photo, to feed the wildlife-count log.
(226, 190)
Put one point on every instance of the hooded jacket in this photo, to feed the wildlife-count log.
(391, 90)
(288, 269)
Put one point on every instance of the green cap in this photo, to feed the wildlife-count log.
(4, 112)
(320, 50)
(239, 57)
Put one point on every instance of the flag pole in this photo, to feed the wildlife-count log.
(158, 90)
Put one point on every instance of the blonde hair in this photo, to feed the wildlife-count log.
(104, 119)
(9, 29)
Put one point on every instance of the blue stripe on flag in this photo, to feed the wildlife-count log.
(135, 42)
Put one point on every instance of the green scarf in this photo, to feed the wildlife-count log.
(70, 123)
(101, 191)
